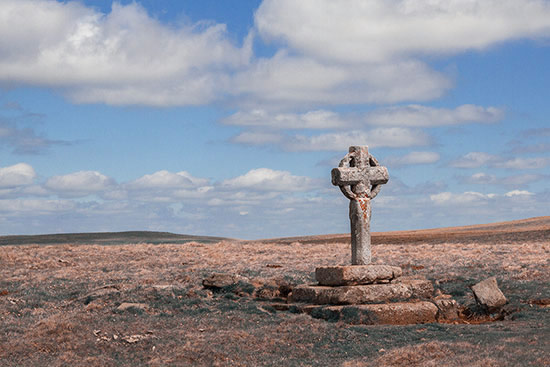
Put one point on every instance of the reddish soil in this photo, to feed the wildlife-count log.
(59, 303)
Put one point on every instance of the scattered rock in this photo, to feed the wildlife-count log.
(222, 280)
(268, 292)
(229, 283)
(104, 291)
(447, 309)
(488, 295)
(356, 274)
(131, 339)
(132, 306)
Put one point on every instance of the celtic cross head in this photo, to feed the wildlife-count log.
(359, 175)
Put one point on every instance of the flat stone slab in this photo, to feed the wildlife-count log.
(488, 294)
(391, 313)
(362, 294)
(356, 274)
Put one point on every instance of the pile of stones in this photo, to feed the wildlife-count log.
(372, 294)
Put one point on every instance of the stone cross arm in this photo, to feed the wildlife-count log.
(343, 176)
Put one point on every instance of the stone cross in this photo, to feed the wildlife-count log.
(360, 177)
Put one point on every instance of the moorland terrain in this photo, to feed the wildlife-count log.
(137, 299)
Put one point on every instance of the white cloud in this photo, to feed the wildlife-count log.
(297, 81)
(394, 137)
(35, 206)
(257, 138)
(165, 179)
(423, 116)
(365, 31)
(525, 163)
(478, 159)
(124, 57)
(413, 158)
(335, 52)
(79, 183)
(518, 193)
(265, 179)
(475, 159)
(482, 178)
(465, 198)
(318, 119)
(17, 175)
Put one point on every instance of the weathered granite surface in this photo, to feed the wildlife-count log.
(447, 309)
(359, 177)
(390, 313)
(488, 294)
(362, 294)
(356, 274)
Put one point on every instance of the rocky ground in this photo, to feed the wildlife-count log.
(145, 304)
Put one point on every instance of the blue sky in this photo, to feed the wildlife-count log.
(225, 118)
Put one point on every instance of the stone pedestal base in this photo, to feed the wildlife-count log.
(362, 294)
(356, 274)
(388, 313)
(370, 294)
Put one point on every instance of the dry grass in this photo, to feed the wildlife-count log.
(58, 304)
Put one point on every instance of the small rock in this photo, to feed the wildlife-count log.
(488, 295)
(133, 338)
(447, 309)
(221, 280)
(136, 306)
(229, 283)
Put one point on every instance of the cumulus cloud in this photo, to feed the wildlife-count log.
(20, 174)
(478, 159)
(265, 179)
(413, 158)
(288, 80)
(124, 57)
(482, 178)
(80, 183)
(258, 138)
(423, 116)
(374, 31)
(36, 206)
(403, 116)
(475, 160)
(518, 193)
(318, 119)
(465, 198)
(524, 163)
(165, 179)
(395, 137)
(332, 52)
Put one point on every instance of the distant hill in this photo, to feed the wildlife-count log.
(107, 238)
(532, 229)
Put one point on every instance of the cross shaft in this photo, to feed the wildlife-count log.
(359, 177)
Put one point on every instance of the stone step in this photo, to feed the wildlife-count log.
(362, 294)
(391, 313)
(356, 274)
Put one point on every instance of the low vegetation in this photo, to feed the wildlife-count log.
(60, 305)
